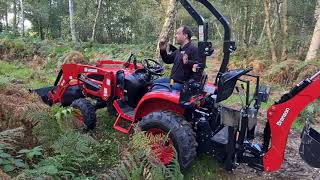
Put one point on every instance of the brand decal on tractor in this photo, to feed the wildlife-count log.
(90, 70)
(283, 117)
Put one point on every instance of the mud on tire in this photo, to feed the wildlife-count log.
(88, 112)
(181, 134)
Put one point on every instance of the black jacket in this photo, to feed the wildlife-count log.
(182, 72)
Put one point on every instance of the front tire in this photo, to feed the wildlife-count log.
(85, 113)
(181, 135)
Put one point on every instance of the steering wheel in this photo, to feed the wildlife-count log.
(153, 67)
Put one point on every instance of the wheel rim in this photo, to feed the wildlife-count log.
(79, 119)
(164, 151)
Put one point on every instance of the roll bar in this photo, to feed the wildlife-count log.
(205, 47)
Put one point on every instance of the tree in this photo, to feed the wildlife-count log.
(315, 42)
(4, 12)
(22, 16)
(284, 55)
(95, 21)
(72, 23)
(168, 23)
(14, 26)
(266, 4)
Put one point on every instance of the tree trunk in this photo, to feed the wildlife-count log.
(262, 32)
(174, 32)
(244, 34)
(40, 29)
(6, 9)
(168, 24)
(72, 24)
(251, 32)
(247, 18)
(268, 30)
(95, 21)
(278, 12)
(284, 54)
(14, 26)
(22, 16)
(218, 31)
(317, 13)
(315, 43)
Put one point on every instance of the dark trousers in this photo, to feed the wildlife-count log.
(166, 82)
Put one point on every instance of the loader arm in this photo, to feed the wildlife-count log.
(75, 74)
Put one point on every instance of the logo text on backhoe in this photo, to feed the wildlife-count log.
(283, 117)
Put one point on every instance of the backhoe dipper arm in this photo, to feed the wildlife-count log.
(282, 115)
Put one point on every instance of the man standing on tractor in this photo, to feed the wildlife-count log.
(185, 60)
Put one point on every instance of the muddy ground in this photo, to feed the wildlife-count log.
(293, 166)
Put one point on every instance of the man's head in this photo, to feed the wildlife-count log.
(183, 35)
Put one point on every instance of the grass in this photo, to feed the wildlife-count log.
(234, 99)
(205, 168)
(17, 73)
(115, 140)
(311, 112)
(14, 70)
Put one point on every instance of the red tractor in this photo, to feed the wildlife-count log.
(194, 118)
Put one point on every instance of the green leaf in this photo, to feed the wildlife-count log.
(50, 170)
(1, 161)
(29, 155)
(2, 146)
(58, 116)
(8, 168)
(64, 112)
(38, 148)
(23, 151)
(5, 155)
(19, 163)
(5, 162)
(37, 153)
(11, 159)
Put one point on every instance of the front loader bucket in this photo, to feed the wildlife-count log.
(310, 147)
(44, 94)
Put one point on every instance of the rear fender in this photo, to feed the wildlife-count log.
(157, 101)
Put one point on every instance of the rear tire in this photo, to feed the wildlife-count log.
(87, 111)
(181, 134)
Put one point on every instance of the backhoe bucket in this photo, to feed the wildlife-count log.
(44, 94)
(310, 147)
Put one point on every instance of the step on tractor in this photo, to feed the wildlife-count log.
(195, 119)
